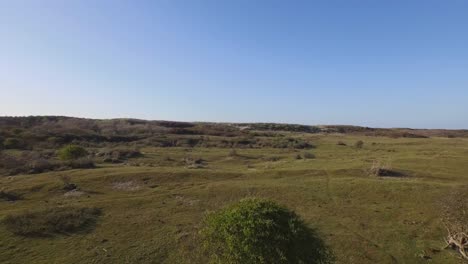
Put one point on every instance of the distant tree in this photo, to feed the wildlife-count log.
(72, 152)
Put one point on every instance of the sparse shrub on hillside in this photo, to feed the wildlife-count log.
(271, 158)
(81, 163)
(308, 155)
(118, 155)
(29, 162)
(232, 153)
(187, 142)
(295, 143)
(190, 160)
(261, 231)
(72, 152)
(341, 143)
(41, 165)
(61, 220)
(194, 163)
(383, 170)
(298, 156)
(9, 196)
(67, 184)
(9, 162)
(32, 162)
(359, 144)
(12, 143)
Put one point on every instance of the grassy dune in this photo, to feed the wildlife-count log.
(152, 207)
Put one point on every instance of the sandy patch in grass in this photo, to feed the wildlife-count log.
(74, 193)
(126, 186)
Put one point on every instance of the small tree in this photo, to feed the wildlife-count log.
(72, 152)
(260, 231)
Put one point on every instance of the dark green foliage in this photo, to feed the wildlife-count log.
(52, 221)
(260, 231)
(72, 152)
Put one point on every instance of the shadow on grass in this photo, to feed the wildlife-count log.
(391, 173)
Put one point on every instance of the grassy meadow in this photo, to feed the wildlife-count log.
(152, 206)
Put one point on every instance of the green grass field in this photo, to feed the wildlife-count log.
(153, 206)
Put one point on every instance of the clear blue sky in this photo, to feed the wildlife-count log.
(372, 63)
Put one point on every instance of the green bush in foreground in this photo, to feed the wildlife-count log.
(72, 152)
(52, 221)
(260, 231)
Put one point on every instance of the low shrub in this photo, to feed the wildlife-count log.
(9, 196)
(308, 155)
(9, 161)
(192, 161)
(67, 184)
(271, 158)
(359, 144)
(48, 222)
(82, 163)
(383, 170)
(12, 143)
(71, 152)
(28, 162)
(341, 143)
(118, 155)
(261, 231)
(41, 165)
(232, 153)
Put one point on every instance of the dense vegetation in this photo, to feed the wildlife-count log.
(260, 231)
